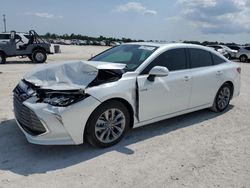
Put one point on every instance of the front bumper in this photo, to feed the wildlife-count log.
(63, 125)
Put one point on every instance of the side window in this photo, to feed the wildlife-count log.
(247, 48)
(5, 36)
(200, 58)
(217, 60)
(172, 59)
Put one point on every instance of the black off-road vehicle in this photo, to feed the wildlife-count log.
(36, 49)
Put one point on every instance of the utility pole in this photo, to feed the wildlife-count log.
(4, 22)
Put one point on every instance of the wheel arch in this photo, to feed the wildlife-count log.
(244, 55)
(38, 48)
(124, 102)
(231, 85)
(128, 106)
(2, 52)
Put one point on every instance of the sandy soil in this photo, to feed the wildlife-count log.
(200, 149)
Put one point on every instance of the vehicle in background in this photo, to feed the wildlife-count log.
(124, 87)
(224, 49)
(20, 38)
(221, 51)
(83, 42)
(243, 54)
(36, 48)
(234, 47)
(75, 42)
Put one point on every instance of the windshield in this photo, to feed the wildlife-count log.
(227, 48)
(131, 55)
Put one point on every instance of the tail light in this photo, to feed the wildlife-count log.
(239, 70)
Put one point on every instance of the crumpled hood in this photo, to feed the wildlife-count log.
(67, 75)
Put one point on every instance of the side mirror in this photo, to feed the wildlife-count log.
(159, 71)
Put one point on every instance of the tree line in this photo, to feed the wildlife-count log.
(88, 38)
(124, 40)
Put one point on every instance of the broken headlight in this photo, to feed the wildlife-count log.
(63, 99)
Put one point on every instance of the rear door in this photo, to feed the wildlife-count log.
(206, 77)
(165, 95)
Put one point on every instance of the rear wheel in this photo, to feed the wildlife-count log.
(2, 58)
(243, 58)
(223, 97)
(107, 124)
(39, 56)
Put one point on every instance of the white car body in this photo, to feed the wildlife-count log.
(180, 92)
(244, 51)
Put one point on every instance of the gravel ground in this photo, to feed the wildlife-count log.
(200, 149)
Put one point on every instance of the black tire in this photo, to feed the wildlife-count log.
(91, 133)
(221, 102)
(2, 58)
(39, 56)
(30, 57)
(243, 58)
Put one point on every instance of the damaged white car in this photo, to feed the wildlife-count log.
(125, 87)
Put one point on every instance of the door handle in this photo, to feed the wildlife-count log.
(187, 78)
(219, 73)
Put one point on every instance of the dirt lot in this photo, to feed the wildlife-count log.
(201, 149)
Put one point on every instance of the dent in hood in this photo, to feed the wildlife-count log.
(70, 75)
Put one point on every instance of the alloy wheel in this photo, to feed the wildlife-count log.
(223, 98)
(110, 125)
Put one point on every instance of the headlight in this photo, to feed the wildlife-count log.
(62, 99)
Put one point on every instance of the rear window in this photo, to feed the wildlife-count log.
(200, 58)
(217, 60)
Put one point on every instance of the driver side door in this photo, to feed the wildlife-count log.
(165, 95)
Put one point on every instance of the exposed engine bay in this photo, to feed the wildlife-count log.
(64, 84)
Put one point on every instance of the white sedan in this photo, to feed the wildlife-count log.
(127, 86)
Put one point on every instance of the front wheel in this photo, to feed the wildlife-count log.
(39, 56)
(107, 124)
(222, 99)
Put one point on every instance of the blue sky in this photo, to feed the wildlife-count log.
(221, 20)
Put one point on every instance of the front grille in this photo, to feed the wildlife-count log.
(27, 118)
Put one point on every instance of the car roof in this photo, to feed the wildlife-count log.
(16, 33)
(161, 45)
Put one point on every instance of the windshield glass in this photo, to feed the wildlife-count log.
(225, 47)
(131, 55)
